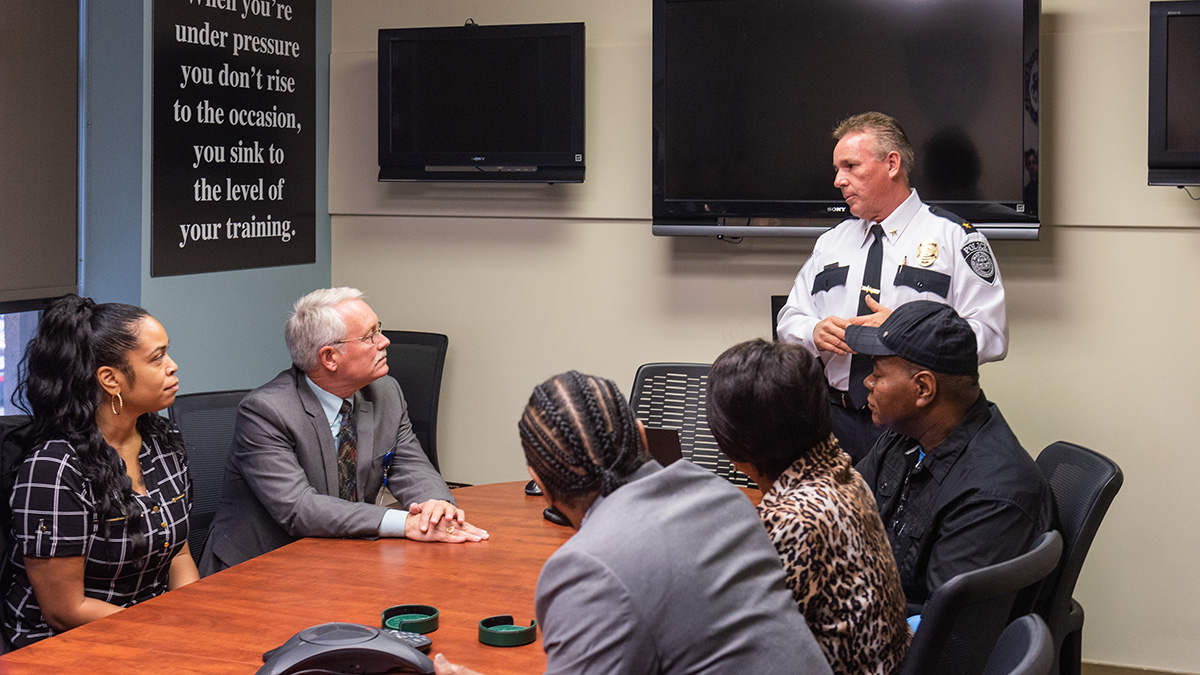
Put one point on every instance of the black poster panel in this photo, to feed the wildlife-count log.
(234, 183)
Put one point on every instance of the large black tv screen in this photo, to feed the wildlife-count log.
(1173, 152)
(748, 91)
(1183, 83)
(482, 96)
(482, 102)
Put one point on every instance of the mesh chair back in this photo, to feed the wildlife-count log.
(206, 422)
(1024, 648)
(1084, 484)
(674, 396)
(13, 448)
(963, 619)
(416, 360)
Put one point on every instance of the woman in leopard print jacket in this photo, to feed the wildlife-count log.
(769, 410)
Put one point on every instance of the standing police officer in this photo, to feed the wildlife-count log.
(895, 250)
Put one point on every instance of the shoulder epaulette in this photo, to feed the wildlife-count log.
(939, 211)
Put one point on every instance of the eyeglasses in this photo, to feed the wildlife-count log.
(369, 337)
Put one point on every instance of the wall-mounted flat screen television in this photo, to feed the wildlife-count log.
(747, 93)
(1173, 150)
(482, 103)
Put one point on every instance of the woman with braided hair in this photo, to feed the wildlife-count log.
(580, 437)
(100, 505)
(670, 570)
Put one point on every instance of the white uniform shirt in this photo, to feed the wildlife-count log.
(925, 257)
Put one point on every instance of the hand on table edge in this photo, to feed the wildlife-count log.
(443, 667)
(439, 520)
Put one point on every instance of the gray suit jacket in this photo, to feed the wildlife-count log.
(672, 573)
(281, 481)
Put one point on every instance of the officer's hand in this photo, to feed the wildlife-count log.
(830, 335)
(879, 314)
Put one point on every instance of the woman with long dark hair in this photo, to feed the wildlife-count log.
(100, 505)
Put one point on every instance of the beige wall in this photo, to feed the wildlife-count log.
(531, 280)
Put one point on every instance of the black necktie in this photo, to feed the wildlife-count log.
(860, 364)
(347, 455)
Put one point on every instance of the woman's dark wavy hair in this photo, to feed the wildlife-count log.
(580, 436)
(58, 387)
(768, 404)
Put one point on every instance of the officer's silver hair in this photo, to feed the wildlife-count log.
(315, 323)
(886, 136)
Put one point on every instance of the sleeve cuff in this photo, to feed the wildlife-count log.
(393, 522)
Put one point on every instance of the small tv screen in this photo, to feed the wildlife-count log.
(747, 93)
(1173, 151)
(482, 103)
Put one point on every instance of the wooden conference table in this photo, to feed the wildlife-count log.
(223, 623)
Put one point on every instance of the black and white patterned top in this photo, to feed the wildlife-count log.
(54, 515)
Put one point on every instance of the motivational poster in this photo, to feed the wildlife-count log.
(234, 135)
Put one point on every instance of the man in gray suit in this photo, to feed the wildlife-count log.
(313, 447)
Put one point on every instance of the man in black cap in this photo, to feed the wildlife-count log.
(955, 489)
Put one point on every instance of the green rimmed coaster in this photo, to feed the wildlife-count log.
(412, 618)
(500, 631)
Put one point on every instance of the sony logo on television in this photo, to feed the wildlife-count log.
(478, 159)
(835, 209)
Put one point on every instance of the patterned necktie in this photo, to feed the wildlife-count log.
(347, 455)
(860, 364)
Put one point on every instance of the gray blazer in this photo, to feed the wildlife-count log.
(281, 479)
(672, 573)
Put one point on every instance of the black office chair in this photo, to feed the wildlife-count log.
(206, 422)
(416, 360)
(14, 445)
(1084, 484)
(673, 396)
(777, 303)
(963, 620)
(1024, 648)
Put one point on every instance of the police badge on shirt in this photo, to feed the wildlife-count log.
(979, 257)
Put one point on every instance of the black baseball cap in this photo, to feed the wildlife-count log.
(929, 334)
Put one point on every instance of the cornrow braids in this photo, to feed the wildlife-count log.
(548, 433)
(580, 436)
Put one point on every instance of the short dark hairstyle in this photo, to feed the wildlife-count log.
(768, 404)
(960, 388)
(580, 436)
(963, 390)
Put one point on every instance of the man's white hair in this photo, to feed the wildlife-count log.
(315, 323)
